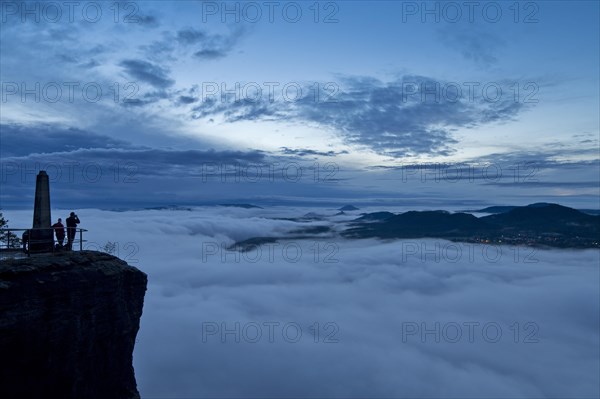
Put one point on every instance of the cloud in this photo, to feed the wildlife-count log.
(86, 167)
(190, 36)
(110, 171)
(160, 50)
(136, 15)
(200, 44)
(92, 63)
(554, 184)
(147, 98)
(145, 71)
(303, 152)
(149, 161)
(147, 21)
(21, 140)
(474, 44)
(412, 115)
(401, 117)
(210, 46)
(210, 54)
(186, 100)
(540, 308)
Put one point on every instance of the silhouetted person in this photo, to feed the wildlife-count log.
(25, 240)
(59, 230)
(72, 222)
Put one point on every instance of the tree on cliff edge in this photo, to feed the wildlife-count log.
(6, 236)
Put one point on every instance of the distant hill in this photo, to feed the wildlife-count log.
(590, 211)
(376, 216)
(348, 208)
(546, 218)
(168, 208)
(313, 216)
(311, 232)
(495, 209)
(245, 206)
(541, 223)
(507, 208)
(415, 224)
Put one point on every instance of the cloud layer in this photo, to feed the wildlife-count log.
(539, 309)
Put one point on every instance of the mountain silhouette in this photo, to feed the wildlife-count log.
(348, 208)
(507, 208)
(376, 216)
(245, 206)
(418, 224)
(540, 223)
(545, 218)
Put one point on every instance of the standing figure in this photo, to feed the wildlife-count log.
(25, 241)
(72, 222)
(59, 230)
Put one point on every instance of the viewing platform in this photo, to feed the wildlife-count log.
(14, 247)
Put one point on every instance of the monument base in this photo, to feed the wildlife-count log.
(41, 240)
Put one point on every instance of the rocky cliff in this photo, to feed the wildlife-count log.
(68, 324)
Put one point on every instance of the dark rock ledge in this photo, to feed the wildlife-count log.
(68, 324)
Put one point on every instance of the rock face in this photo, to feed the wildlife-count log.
(68, 324)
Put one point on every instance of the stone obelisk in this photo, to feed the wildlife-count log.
(42, 237)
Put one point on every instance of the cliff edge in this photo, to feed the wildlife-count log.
(68, 324)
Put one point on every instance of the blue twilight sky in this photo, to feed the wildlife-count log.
(131, 104)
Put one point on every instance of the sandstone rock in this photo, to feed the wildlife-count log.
(68, 324)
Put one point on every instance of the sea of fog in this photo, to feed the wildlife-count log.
(330, 317)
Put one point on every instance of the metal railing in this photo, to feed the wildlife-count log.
(16, 243)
